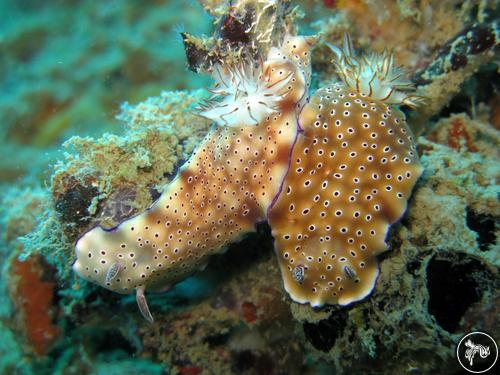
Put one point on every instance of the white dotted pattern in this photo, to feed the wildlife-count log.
(221, 193)
(224, 190)
(351, 174)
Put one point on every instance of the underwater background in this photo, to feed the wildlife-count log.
(97, 113)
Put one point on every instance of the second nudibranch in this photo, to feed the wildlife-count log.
(352, 170)
(225, 188)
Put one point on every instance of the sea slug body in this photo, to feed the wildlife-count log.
(352, 170)
(330, 174)
(220, 194)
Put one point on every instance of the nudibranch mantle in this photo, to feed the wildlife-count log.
(352, 170)
(330, 174)
(223, 190)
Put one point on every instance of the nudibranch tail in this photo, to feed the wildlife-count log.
(298, 50)
(376, 75)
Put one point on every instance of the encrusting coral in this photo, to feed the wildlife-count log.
(330, 177)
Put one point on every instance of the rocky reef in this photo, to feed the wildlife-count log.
(438, 281)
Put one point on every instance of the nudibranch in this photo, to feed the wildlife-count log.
(330, 174)
(222, 191)
(351, 173)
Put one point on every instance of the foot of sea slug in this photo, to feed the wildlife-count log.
(142, 303)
